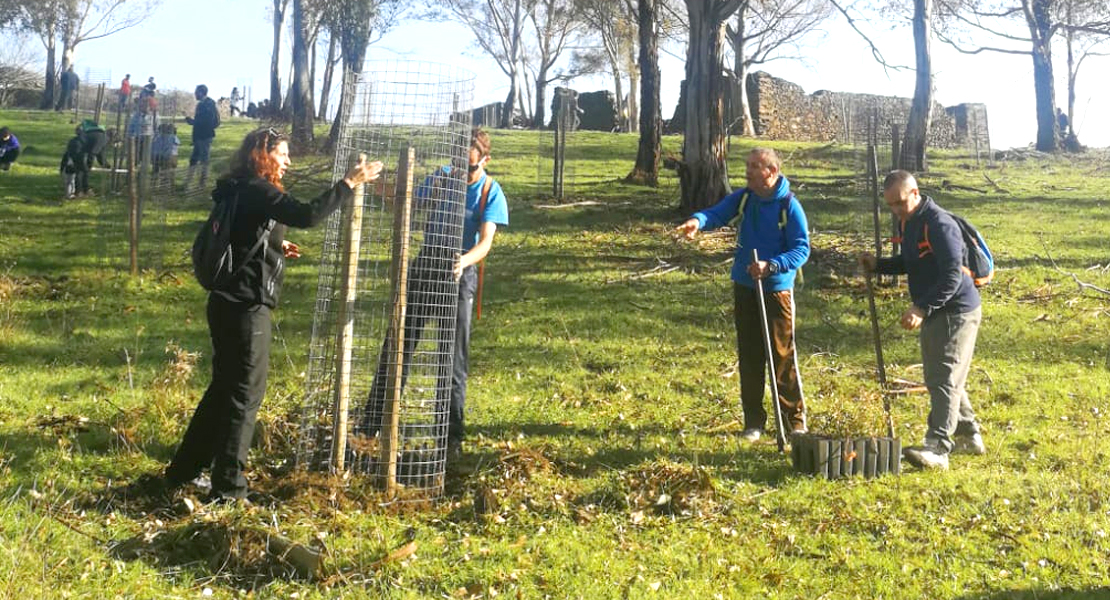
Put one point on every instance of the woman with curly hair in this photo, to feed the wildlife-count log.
(220, 432)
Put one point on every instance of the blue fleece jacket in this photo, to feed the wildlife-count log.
(937, 280)
(787, 247)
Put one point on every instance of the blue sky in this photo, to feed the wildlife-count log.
(226, 43)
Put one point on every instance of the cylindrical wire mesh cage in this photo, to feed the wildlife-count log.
(380, 362)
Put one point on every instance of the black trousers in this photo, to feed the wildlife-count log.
(9, 157)
(81, 178)
(219, 435)
(425, 301)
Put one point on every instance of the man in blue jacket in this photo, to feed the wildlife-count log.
(769, 219)
(205, 121)
(946, 307)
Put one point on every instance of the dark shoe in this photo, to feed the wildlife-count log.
(152, 486)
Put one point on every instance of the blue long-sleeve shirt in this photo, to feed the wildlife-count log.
(935, 270)
(12, 143)
(787, 247)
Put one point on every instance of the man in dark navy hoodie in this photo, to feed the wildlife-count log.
(946, 307)
(769, 219)
(204, 121)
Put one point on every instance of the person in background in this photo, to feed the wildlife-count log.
(9, 148)
(235, 100)
(72, 161)
(124, 92)
(164, 154)
(205, 120)
(219, 434)
(69, 82)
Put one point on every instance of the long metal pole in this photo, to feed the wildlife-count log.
(880, 364)
(780, 432)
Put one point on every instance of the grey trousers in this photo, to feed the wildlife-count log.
(947, 345)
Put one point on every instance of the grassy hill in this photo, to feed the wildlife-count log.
(603, 402)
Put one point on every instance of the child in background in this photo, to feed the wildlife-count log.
(164, 154)
(72, 161)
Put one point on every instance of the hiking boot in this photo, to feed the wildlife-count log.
(926, 458)
(970, 444)
(751, 435)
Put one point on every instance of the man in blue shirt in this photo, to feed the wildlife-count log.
(769, 219)
(440, 257)
(946, 307)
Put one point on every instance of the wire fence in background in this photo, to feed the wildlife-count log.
(380, 360)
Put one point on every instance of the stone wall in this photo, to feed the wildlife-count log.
(781, 110)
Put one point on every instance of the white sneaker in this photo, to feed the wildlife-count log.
(970, 444)
(926, 458)
(750, 435)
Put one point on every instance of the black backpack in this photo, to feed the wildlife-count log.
(213, 259)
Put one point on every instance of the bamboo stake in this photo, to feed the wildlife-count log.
(345, 322)
(399, 276)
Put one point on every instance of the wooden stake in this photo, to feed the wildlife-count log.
(402, 219)
(881, 365)
(133, 190)
(99, 103)
(345, 323)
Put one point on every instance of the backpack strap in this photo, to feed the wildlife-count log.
(482, 263)
(262, 242)
(739, 218)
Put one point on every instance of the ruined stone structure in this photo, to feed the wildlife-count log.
(597, 110)
(781, 110)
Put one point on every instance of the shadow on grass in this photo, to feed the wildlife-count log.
(1102, 593)
(735, 461)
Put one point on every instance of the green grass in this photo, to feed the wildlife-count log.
(593, 393)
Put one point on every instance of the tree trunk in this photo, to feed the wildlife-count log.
(618, 85)
(275, 64)
(301, 94)
(646, 171)
(353, 42)
(329, 74)
(917, 127)
(514, 69)
(633, 106)
(1072, 75)
(50, 83)
(703, 172)
(1040, 28)
(740, 70)
(540, 115)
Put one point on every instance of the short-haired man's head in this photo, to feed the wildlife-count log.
(768, 157)
(902, 180)
(202, 91)
(4, 133)
(479, 140)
